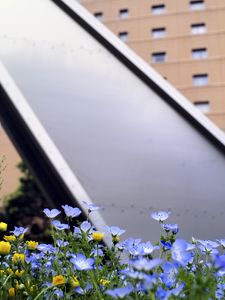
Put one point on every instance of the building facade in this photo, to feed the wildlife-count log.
(184, 40)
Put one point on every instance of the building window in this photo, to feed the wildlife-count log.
(199, 53)
(197, 4)
(203, 106)
(98, 15)
(200, 79)
(158, 57)
(158, 9)
(158, 32)
(198, 28)
(123, 36)
(124, 13)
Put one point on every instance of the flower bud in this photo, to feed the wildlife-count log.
(3, 226)
(12, 293)
(57, 280)
(115, 239)
(97, 236)
(18, 258)
(32, 245)
(5, 248)
(9, 238)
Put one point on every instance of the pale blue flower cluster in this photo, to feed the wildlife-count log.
(170, 268)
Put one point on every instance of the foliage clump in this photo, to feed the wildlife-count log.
(24, 206)
(78, 265)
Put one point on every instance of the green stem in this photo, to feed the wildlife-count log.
(10, 275)
(151, 295)
(97, 275)
(44, 290)
(99, 296)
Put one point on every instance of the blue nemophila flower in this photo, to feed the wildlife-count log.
(171, 227)
(71, 212)
(51, 213)
(19, 231)
(145, 264)
(219, 261)
(148, 248)
(46, 248)
(162, 294)
(81, 291)
(142, 249)
(221, 242)
(180, 253)
(149, 281)
(128, 244)
(134, 274)
(160, 215)
(136, 250)
(221, 273)
(97, 252)
(208, 242)
(58, 293)
(84, 227)
(190, 247)
(115, 231)
(131, 242)
(82, 263)
(120, 292)
(208, 247)
(166, 245)
(58, 225)
(177, 290)
(220, 292)
(91, 207)
(61, 243)
(169, 276)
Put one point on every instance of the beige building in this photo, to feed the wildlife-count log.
(10, 174)
(184, 40)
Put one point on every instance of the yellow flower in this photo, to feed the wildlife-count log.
(11, 293)
(33, 288)
(3, 226)
(9, 238)
(18, 258)
(5, 248)
(9, 271)
(16, 284)
(57, 280)
(2, 272)
(74, 282)
(32, 245)
(104, 282)
(19, 273)
(97, 236)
